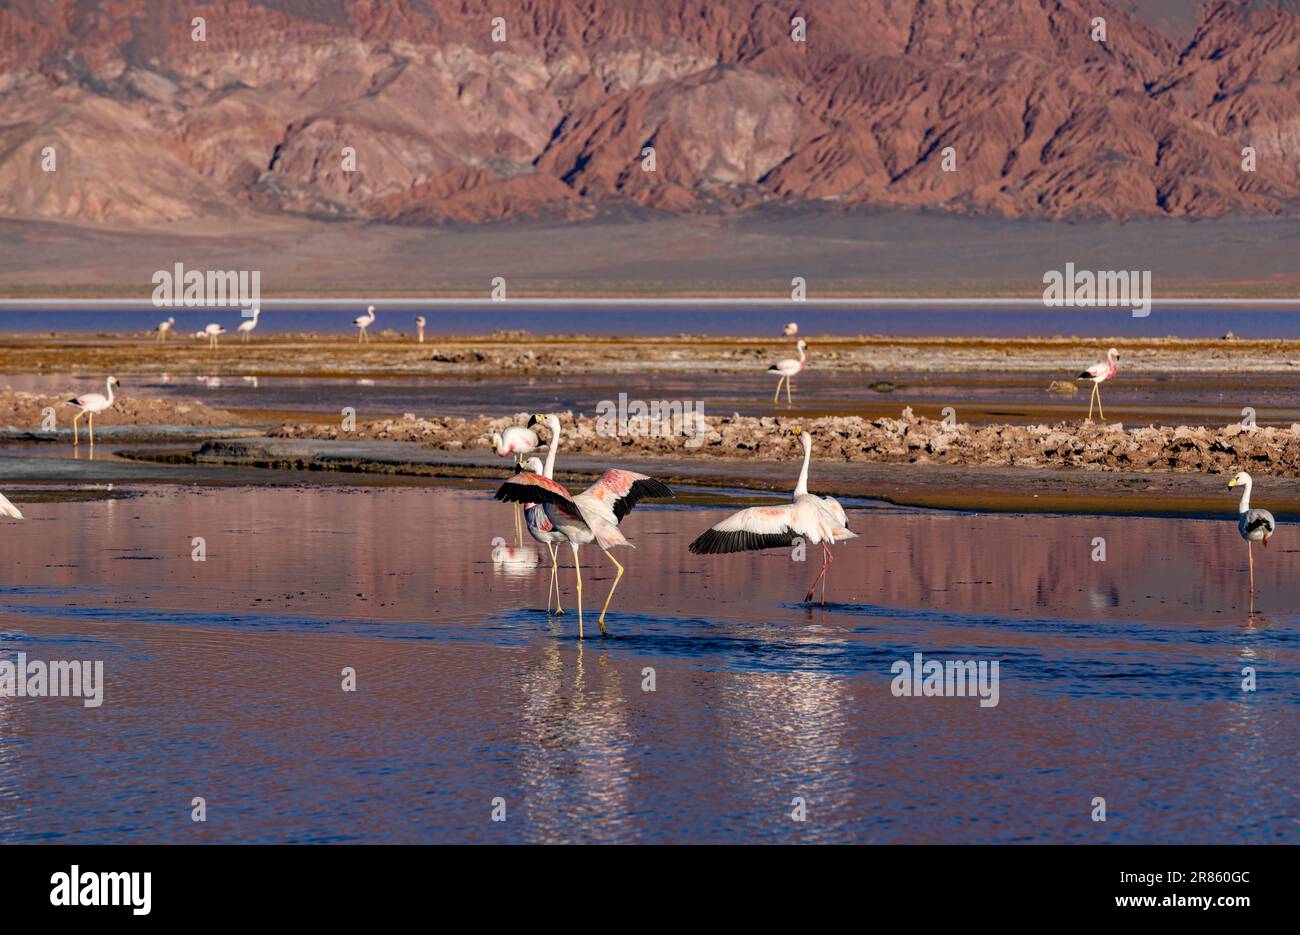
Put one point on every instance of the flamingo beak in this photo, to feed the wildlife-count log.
(1233, 482)
(534, 420)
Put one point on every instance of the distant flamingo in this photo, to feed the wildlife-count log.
(1099, 374)
(591, 516)
(788, 368)
(791, 330)
(89, 404)
(819, 520)
(419, 328)
(213, 331)
(246, 328)
(164, 328)
(8, 509)
(363, 322)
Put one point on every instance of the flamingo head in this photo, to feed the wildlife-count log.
(370, 309)
(420, 321)
(496, 441)
(1113, 353)
(114, 381)
(534, 464)
(538, 418)
(801, 344)
(1240, 479)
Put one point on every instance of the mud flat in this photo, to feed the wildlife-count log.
(934, 485)
(910, 440)
(523, 353)
(137, 418)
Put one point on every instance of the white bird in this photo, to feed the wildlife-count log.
(787, 368)
(1099, 374)
(591, 516)
(89, 404)
(213, 331)
(246, 328)
(540, 527)
(819, 520)
(518, 442)
(8, 509)
(791, 330)
(363, 322)
(164, 328)
(1254, 525)
(419, 327)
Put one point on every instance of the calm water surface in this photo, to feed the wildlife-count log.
(1118, 678)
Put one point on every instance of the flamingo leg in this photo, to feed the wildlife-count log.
(555, 584)
(1100, 412)
(777, 395)
(601, 620)
(91, 420)
(74, 429)
(1250, 554)
(787, 391)
(1091, 396)
(822, 574)
(577, 570)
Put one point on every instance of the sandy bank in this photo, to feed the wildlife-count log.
(22, 412)
(903, 441)
(524, 354)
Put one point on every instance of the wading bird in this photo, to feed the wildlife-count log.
(791, 330)
(819, 520)
(787, 368)
(363, 322)
(541, 528)
(246, 327)
(213, 331)
(419, 328)
(164, 329)
(591, 516)
(1099, 374)
(8, 509)
(518, 442)
(1254, 525)
(89, 404)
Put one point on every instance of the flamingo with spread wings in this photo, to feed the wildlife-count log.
(819, 520)
(591, 516)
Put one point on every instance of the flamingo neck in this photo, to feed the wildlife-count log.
(553, 424)
(109, 383)
(801, 357)
(801, 488)
(1245, 498)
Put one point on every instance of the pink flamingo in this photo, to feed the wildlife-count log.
(788, 368)
(518, 442)
(1099, 374)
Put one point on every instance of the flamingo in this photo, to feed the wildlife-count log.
(1254, 525)
(819, 520)
(419, 327)
(246, 328)
(1099, 374)
(363, 322)
(89, 404)
(213, 331)
(541, 528)
(8, 509)
(791, 330)
(591, 516)
(164, 328)
(787, 368)
(518, 442)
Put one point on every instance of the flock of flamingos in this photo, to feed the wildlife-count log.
(554, 516)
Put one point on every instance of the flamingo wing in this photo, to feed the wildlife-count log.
(8, 509)
(528, 487)
(622, 490)
(1093, 372)
(758, 527)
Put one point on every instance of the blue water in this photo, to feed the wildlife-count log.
(906, 321)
